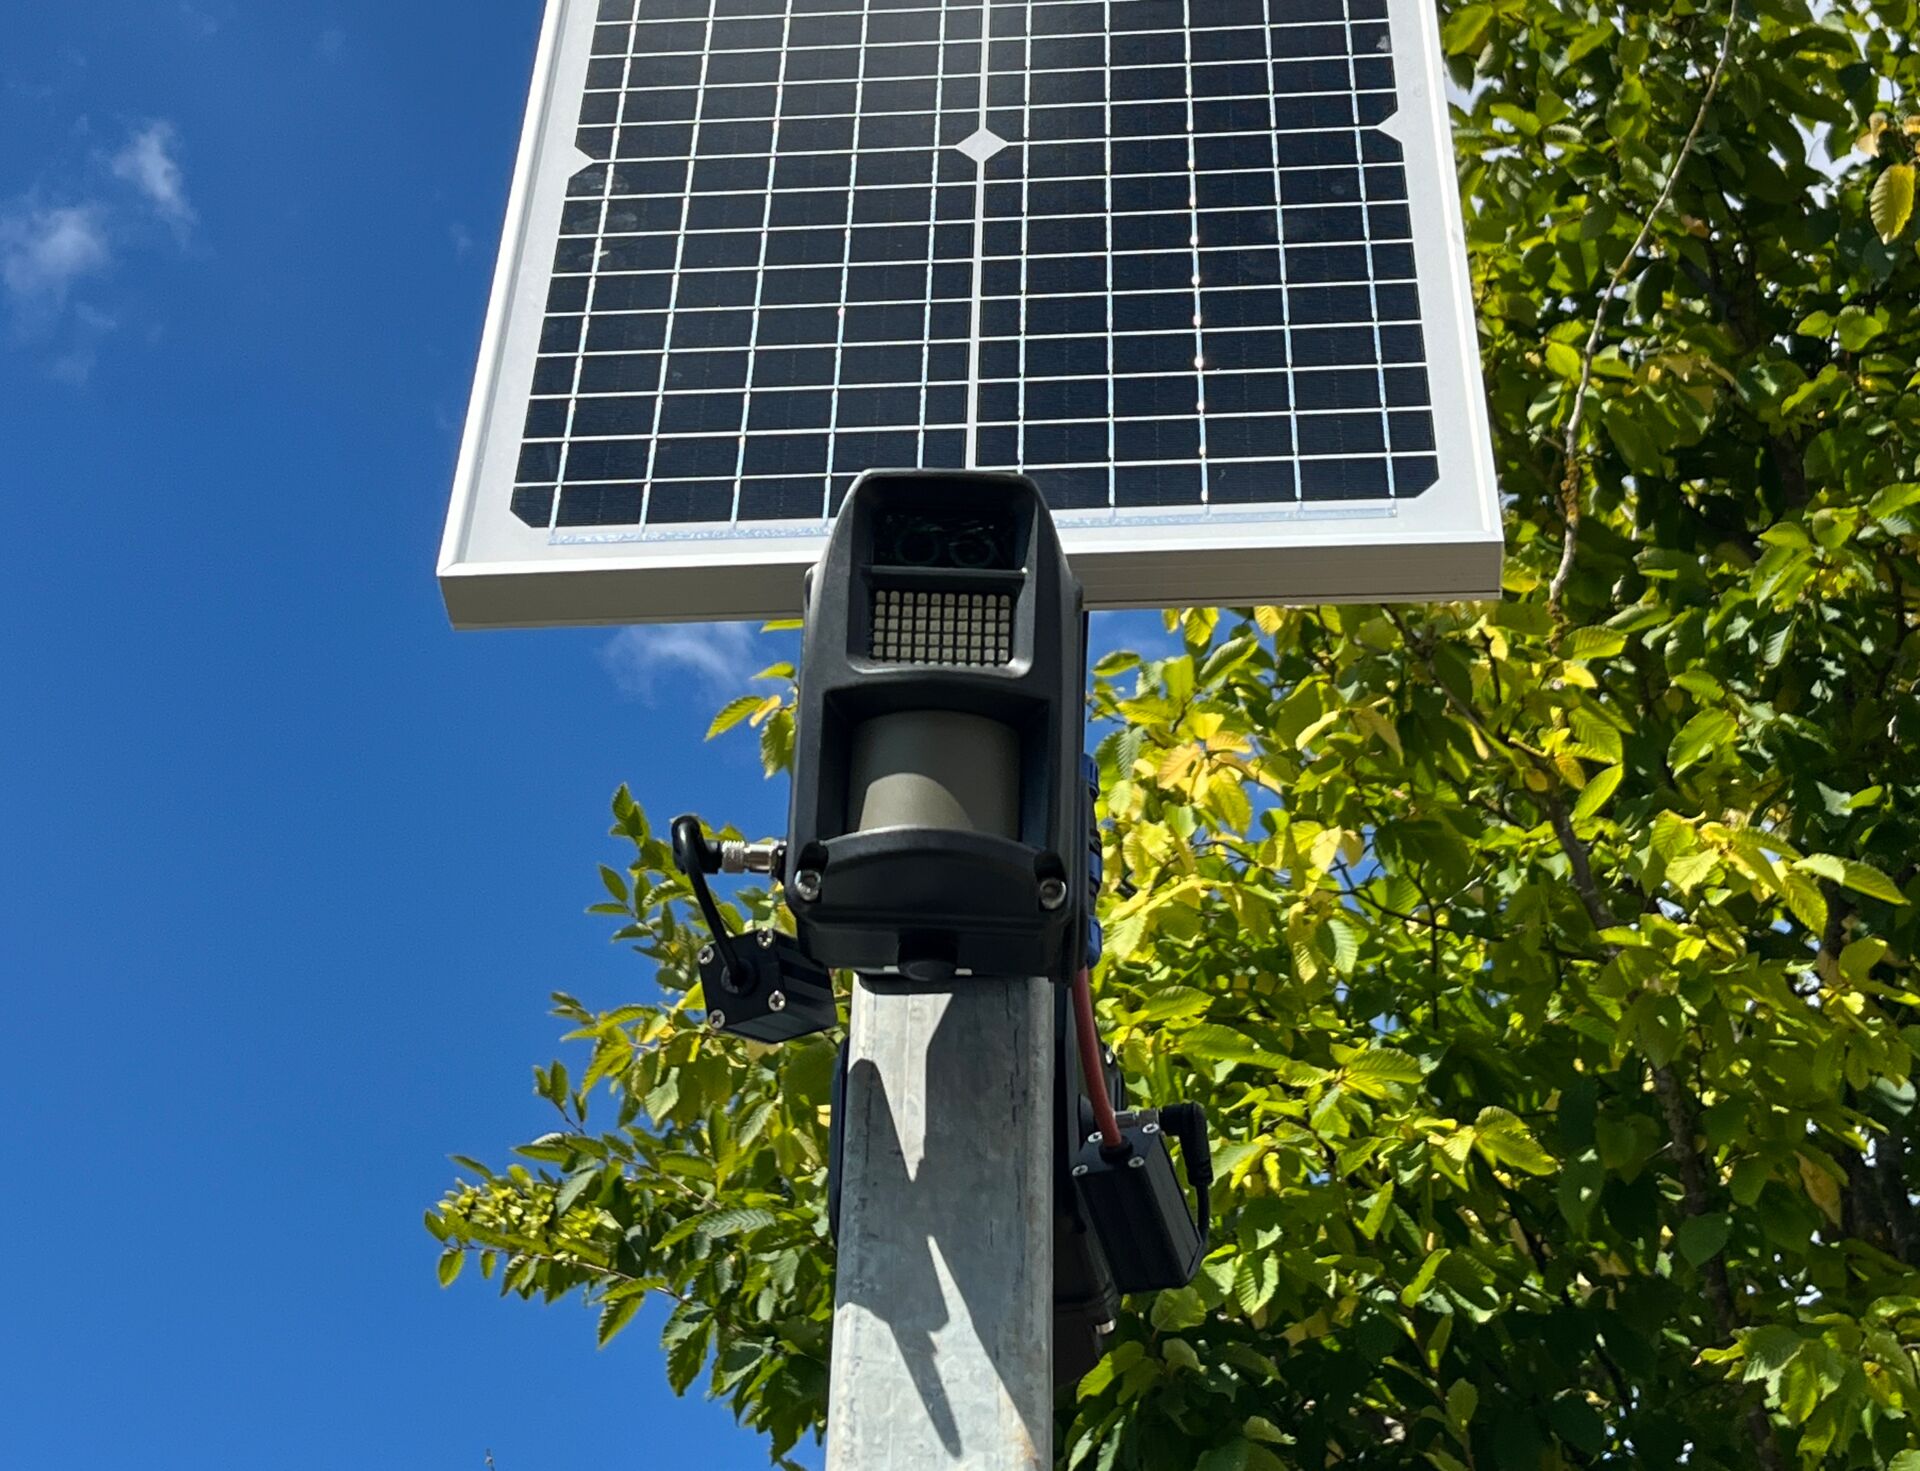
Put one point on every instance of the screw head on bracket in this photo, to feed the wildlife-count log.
(806, 884)
(1078, 1171)
(716, 1019)
(777, 1001)
(1137, 1163)
(764, 939)
(1053, 893)
(707, 954)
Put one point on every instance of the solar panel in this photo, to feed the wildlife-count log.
(1194, 265)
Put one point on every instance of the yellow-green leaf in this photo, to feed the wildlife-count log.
(1466, 29)
(1423, 1279)
(1891, 205)
(1593, 796)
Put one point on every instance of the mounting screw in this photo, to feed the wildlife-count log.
(1149, 1128)
(1095, 1137)
(1053, 893)
(716, 1019)
(806, 884)
(1138, 1162)
(707, 954)
(777, 1001)
(1078, 1171)
(764, 939)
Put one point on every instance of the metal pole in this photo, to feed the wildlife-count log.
(942, 1332)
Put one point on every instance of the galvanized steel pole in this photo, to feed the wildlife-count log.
(942, 1347)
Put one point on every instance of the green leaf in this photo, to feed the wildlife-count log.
(1702, 1238)
(1423, 1279)
(1578, 1190)
(451, 1261)
(1891, 204)
(1595, 643)
(1462, 1400)
(1379, 1072)
(575, 1186)
(1504, 1138)
(1862, 878)
(616, 1315)
(1255, 1280)
(1466, 29)
(1700, 735)
(1593, 796)
(1178, 1309)
(1808, 904)
(733, 713)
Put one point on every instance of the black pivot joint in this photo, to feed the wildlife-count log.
(761, 985)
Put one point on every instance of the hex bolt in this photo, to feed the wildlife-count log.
(764, 939)
(777, 1001)
(717, 1020)
(806, 884)
(1053, 893)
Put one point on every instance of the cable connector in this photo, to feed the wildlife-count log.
(765, 857)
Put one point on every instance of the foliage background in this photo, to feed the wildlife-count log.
(1547, 967)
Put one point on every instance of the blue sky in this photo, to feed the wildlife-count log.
(287, 869)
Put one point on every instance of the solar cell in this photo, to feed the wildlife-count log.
(1160, 254)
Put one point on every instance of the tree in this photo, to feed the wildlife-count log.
(1547, 966)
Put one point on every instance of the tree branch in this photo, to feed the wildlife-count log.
(1572, 480)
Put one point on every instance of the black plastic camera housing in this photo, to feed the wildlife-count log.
(938, 830)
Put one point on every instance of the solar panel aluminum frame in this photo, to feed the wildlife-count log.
(1444, 544)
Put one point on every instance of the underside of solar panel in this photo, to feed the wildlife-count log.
(1193, 265)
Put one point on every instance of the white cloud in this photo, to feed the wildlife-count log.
(44, 252)
(710, 659)
(90, 327)
(147, 163)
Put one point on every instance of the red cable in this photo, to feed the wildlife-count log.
(1093, 1067)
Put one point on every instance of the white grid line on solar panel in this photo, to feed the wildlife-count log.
(933, 214)
(580, 347)
(996, 422)
(1359, 154)
(911, 262)
(979, 240)
(805, 306)
(612, 166)
(1205, 209)
(990, 382)
(758, 45)
(846, 259)
(1026, 224)
(1106, 93)
(1280, 227)
(662, 94)
(1234, 251)
(1313, 457)
(1193, 201)
(686, 209)
(760, 270)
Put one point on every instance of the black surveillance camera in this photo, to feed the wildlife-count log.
(938, 830)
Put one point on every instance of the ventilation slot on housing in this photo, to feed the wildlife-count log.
(964, 628)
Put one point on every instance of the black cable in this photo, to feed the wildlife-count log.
(694, 857)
